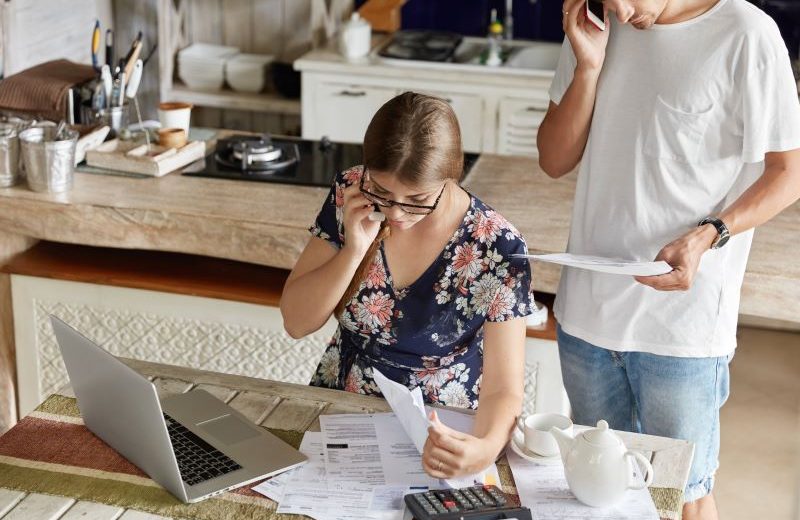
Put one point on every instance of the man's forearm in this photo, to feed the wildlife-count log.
(776, 189)
(563, 133)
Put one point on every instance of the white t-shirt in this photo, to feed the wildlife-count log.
(683, 117)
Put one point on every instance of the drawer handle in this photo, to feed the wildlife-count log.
(352, 93)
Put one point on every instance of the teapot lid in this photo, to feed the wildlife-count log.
(356, 20)
(601, 436)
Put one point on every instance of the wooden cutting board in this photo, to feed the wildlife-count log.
(138, 158)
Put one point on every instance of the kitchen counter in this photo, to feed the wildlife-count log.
(266, 223)
(328, 59)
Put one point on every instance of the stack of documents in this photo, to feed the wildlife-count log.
(362, 465)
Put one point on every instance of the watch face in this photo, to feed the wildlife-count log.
(721, 241)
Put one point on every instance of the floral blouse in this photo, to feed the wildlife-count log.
(430, 333)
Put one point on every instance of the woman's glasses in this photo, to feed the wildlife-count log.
(413, 209)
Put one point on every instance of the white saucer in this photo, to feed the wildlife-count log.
(518, 446)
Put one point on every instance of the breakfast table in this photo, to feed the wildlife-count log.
(52, 467)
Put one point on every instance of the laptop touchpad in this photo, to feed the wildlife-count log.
(229, 429)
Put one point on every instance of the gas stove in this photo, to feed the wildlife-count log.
(282, 159)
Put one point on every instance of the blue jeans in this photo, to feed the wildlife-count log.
(647, 393)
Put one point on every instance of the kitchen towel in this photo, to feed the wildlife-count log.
(41, 91)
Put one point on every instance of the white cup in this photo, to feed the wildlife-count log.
(175, 115)
(536, 432)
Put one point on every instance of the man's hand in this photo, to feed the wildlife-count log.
(684, 256)
(587, 41)
(450, 453)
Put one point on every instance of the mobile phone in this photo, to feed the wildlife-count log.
(594, 12)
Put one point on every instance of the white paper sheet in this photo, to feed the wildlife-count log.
(410, 409)
(603, 264)
(544, 489)
(371, 449)
(307, 490)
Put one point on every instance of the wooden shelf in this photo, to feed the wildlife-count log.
(266, 102)
(175, 273)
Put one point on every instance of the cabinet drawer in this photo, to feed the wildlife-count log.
(469, 112)
(343, 111)
(518, 124)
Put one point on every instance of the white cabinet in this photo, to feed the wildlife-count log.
(469, 111)
(342, 111)
(495, 115)
(518, 125)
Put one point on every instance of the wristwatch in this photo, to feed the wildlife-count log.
(722, 231)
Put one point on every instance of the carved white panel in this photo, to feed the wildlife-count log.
(202, 333)
(529, 403)
(544, 388)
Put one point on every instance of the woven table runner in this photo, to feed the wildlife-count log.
(51, 452)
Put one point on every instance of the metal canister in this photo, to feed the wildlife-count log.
(49, 163)
(9, 155)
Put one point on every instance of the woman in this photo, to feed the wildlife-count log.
(430, 296)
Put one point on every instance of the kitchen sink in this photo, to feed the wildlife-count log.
(519, 58)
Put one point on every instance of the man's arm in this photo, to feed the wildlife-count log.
(564, 131)
(776, 189)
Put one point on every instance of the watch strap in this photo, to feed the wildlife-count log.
(723, 234)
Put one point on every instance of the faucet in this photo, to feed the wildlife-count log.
(508, 23)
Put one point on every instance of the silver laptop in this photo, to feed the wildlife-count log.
(193, 444)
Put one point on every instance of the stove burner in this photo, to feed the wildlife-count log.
(255, 154)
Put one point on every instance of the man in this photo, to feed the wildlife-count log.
(684, 117)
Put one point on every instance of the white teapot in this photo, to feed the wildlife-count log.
(598, 465)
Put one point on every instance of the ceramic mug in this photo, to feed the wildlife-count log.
(171, 137)
(535, 429)
(175, 115)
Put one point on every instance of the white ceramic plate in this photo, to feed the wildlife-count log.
(518, 446)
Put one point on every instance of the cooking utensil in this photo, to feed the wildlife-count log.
(96, 45)
(109, 47)
(123, 78)
(105, 78)
(132, 61)
(130, 93)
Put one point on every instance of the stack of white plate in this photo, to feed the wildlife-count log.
(247, 72)
(202, 65)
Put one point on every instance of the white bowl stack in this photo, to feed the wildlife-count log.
(201, 66)
(247, 72)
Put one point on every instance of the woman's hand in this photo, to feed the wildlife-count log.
(588, 42)
(450, 453)
(359, 230)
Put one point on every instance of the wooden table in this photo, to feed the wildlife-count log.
(292, 407)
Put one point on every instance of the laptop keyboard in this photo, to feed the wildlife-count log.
(198, 461)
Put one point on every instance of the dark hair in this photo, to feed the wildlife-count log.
(417, 139)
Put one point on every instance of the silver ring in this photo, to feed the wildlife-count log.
(566, 13)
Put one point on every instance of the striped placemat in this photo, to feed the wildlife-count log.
(51, 451)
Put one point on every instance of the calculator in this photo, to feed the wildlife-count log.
(480, 502)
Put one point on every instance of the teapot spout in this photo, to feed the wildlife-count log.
(564, 440)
